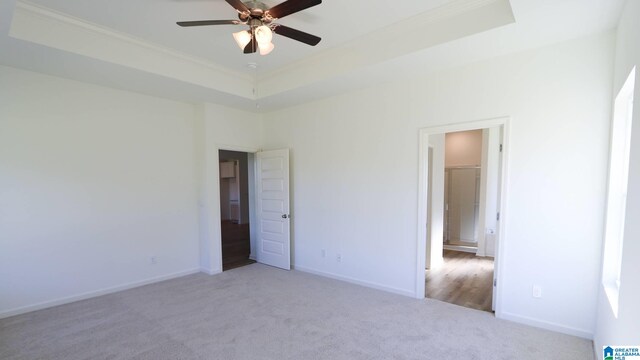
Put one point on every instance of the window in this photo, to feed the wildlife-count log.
(617, 194)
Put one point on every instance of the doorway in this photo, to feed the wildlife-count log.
(460, 202)
(235, 209)
(465, 275)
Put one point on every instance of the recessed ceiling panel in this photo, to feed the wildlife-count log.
(335, 22)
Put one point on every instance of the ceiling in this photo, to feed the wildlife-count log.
(335, 21)
(136, 45)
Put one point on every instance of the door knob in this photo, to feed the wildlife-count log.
(285, 216)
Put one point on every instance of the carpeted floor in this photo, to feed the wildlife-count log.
(257, 312)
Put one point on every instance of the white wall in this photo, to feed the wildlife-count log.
(355, 175)
(93, 182)
(463, 148)
(96, 181)
(625, 329)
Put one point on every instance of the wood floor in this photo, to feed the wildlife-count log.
(235, 245)
(464, 279)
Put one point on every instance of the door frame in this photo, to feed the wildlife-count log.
(211, 246)
(423, 201)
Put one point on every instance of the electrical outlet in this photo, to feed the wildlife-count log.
(339, 258)
(537, 291)
(153, 260)
(323, 253)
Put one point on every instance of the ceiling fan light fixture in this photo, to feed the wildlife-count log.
(265, 49)
(264, 35)
(260, 20)
(242, 38)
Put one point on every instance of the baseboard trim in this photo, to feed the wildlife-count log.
(597, 353)
(354, 281)
(92, 294)
(547, 325)
(210, 271)
(461, 248)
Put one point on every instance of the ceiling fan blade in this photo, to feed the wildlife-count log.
(238, 5)
(297, 35)
(208, 22)
(291, 6)
(252, 46)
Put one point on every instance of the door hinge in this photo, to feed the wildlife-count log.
(500, 147)
(495, 282)
(498, 217)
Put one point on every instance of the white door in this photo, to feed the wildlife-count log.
(272, 205)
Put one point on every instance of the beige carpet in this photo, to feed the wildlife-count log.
(257, 312)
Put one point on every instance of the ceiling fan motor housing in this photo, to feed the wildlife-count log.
(256, 5)
(257, 10)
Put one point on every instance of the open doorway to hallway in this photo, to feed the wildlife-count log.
(463, 216)
(462, 178)
(235, 208)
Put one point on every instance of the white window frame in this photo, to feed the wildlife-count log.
(617, 192)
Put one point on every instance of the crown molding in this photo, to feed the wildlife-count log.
(54, 29)
(43, 26)
(434, 27)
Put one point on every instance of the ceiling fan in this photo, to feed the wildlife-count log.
(260, 20)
